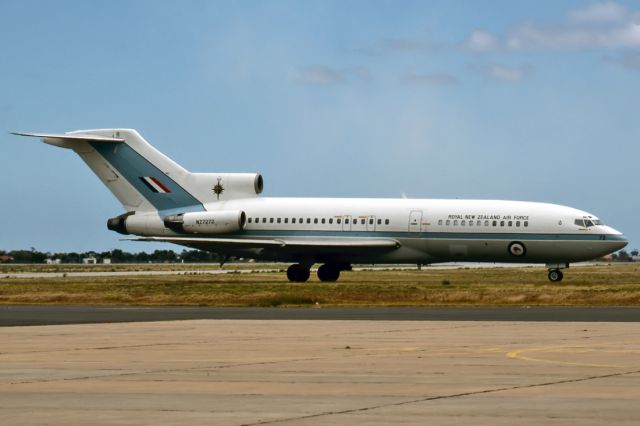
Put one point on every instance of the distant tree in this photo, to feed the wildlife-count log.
(163, 256)
(635, 252)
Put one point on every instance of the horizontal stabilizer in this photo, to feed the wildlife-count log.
(71, 137)
(341, 243)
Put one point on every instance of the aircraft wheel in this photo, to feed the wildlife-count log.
(555, 275)
(297, 273)
(328, 273)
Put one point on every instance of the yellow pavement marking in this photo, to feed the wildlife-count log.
(520, 354)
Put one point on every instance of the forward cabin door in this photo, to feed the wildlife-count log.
(415, 221)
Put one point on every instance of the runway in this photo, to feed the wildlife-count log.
(312, 372)
(18, 315)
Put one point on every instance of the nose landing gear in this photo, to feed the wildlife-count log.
(555, 275)
(555, 271)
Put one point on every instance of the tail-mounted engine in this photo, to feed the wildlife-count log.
(213, 222)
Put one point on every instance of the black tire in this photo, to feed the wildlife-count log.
(328, 273)
(297, 273)
(555, 275)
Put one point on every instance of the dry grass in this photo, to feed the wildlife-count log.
(617, 284)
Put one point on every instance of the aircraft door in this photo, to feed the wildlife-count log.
(415, 221)
(346, 223)
(371, 223)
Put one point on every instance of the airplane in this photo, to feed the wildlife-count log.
(224, 213)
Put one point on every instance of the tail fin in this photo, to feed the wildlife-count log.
(144, 179)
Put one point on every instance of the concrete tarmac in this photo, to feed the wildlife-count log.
(249, 372)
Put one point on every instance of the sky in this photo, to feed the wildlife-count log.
(525, 100)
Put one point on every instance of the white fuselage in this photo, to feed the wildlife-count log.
(428, 230)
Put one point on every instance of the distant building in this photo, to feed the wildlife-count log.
(635, 258)
(53, 261)
(5, 258)
(106, 261)
(89, 260)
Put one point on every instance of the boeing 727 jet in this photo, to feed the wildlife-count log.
(224, 213)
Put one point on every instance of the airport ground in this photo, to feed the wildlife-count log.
(301, 372)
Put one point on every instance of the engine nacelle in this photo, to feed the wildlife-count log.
(213, 222)
(138, 223)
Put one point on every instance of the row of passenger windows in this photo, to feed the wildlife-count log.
(330, 220)
(487, 223)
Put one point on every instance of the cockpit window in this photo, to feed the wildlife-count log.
(588, 223)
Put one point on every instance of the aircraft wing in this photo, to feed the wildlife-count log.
(282, 243)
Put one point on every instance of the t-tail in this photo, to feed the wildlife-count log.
(147, 182)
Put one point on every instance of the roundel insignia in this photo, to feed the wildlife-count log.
(517, 249)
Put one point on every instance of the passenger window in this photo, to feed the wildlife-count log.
(279, 220)
(338, 221)
(455, 222)
(448, 222)
(440, 222)
(362, 221)
(478, 223)
(308, 220)
(301, 220)
(286, 220)
(370, 221)
(486, 223)
(293, 220)
(330, 220)
(379, 221)
(323, 220)
(470, 223)
(249, 220)
(264, 220)
(495, 223)
(315, 220)
(270, 220)
(510, 223)
(346, 221)
(517, 223)
(502, 223)
(386, 221)
(526, 223)
(463, 222)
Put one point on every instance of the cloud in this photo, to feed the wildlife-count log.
(598, 12)
(437, 79)
(405, 45)
(629, 60)
(507, 73)
(482, 41)
(320, 75)
(532, 36)
(395, 45)
(616, 28)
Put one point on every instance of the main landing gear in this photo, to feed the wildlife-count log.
(298, 273)
(328, 272)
